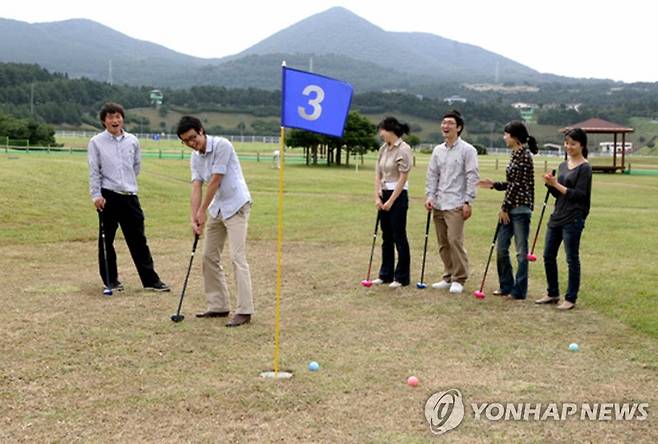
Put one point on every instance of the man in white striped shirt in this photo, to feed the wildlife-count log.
(452, 177)
(114, 163)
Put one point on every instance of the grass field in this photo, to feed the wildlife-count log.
(80, 367)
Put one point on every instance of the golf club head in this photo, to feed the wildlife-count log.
(366, 283)
(177, 317)
(479, 294)
(107, 291)
(421, 285)
(532, 257)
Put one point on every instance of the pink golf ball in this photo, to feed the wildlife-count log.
(412, 381)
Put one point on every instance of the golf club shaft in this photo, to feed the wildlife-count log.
(493, 244)
(372, 249)
(541, 217)
(104, 244)
(187, 275)
(427, 231)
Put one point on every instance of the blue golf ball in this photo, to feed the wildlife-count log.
(313, 366)
(573, 347)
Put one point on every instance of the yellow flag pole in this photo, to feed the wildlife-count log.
(279, 252)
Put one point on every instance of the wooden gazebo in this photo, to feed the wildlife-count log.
(600, 126)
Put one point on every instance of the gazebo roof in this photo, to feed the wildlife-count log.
(596, 125)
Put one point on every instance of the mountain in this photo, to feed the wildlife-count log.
(339, 31)
(84, 48)
(337, 42)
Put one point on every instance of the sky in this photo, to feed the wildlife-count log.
(576, 38)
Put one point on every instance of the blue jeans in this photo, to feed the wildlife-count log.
(570, 234)
(394, 237)
(519, 227)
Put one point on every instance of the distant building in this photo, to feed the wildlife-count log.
(156, 97)
(527, 110)
(454, 99)
(608, 147)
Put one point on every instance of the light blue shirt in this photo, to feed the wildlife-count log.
(452, 175)
(220, 158)
(114, 163)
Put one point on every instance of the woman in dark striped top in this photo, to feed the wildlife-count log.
(516, 210)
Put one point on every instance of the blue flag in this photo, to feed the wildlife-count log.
(314, 103)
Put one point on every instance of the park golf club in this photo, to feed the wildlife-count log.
(421, 284)
(179, 317)
(107, 290)
(531, 256)
(480, 293)
(367, 282)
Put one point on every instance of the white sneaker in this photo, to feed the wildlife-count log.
(441, 285)
(456, 288)
(377, 282)
(395, 284)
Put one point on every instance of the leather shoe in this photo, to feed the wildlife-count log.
(548, 300)
(500, 293)
(212, 314)
(238, 320)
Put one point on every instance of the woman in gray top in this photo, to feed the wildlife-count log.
(572, 189)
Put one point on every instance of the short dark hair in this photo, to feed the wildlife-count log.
(458, 118)
(111, 108)
(393, 125)
(187, 123)
(580, 136)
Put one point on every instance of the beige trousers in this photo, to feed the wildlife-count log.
(218, 231)
(449, 226)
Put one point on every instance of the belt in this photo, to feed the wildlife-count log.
(123, 193)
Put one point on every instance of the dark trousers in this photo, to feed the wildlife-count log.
(570, 235)
(519, 228)
(125, 211)
(394, 237)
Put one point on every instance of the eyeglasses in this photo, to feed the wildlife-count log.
(190, 139)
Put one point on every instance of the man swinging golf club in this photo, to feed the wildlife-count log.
(227, 200)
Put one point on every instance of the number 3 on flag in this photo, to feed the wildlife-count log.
(314, 102)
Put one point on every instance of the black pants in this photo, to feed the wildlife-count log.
(394, 235)
(126, 212)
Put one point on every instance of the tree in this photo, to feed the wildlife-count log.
(358, 137)
(307, 140)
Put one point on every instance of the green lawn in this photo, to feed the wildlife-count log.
(77, 366)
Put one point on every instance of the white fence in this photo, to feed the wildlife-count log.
(168, 136)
